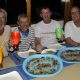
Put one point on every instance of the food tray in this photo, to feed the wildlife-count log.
(70, 54)
(42, 65)
(26, 54)
(48, 51)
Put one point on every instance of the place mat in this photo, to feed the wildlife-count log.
(7, 62)
(17, 60)
(11, 76)
(18, 69)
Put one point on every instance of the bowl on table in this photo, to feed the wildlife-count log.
(42, 65)
(70, 54)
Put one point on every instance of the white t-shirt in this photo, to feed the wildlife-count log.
(72, 31)
(4, 39)
(46, 32)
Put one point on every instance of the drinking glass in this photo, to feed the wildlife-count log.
(59, 33)
(15, 37)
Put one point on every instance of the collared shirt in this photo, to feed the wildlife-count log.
(27, 39)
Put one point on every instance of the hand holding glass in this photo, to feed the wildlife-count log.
(15, 37)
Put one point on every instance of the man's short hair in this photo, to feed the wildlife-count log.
(45, 7)
(22, 16)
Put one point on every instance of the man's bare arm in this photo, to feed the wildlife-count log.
(39, 47)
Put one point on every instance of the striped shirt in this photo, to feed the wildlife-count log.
(26, 41)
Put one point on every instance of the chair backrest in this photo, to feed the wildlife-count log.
(13, 28)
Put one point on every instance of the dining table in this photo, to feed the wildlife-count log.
(19, 62)
(70, 71)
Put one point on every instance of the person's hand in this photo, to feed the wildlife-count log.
(10, 43)
(78, 44)
(39, 48)
(62, 38)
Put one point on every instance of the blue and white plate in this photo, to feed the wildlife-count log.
(70, 54)
(42, 65)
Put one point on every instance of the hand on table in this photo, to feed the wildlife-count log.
(39, 48)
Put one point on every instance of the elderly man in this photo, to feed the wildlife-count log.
(27, 40)
(72, 28)
(4, 31)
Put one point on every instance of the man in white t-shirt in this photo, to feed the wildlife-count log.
(72, 28)
(45, 30)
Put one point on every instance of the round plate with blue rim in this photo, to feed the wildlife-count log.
(70, 54)
(42, 65)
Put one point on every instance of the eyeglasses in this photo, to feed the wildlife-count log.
(76, 12)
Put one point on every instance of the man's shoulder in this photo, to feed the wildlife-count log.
(69, 25)
(69, 22)
(7, 26)
(40, 22)
(54, 21)
(39, 25)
